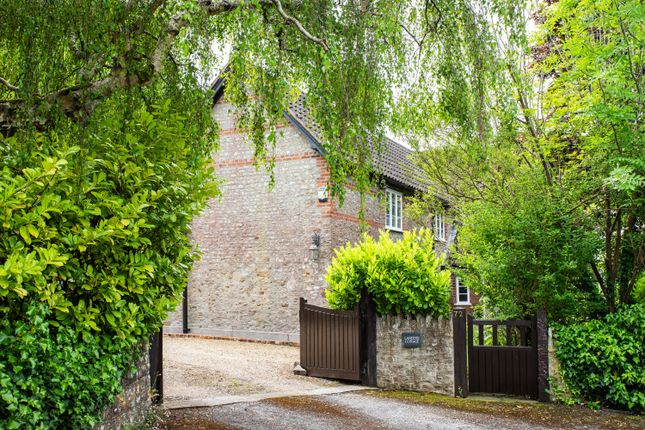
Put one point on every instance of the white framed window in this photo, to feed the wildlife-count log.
(393, 210)
(439, 227)
(462, 293)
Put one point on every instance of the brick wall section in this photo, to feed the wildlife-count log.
(255, 241)
(130, 407)
(428, 368)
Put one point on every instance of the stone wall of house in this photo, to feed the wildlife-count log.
(255, 241)
(130, 407)
(428, 368)
(345, 222)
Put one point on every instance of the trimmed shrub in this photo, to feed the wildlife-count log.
(603, 361)
(402, 277)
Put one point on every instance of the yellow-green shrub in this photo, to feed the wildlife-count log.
(403, 277)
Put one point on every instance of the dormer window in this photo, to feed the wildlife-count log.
(439, 227)
(394, 210)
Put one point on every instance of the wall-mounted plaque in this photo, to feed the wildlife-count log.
(411, 340)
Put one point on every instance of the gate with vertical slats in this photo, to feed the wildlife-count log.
(502, 357)
(330, 342)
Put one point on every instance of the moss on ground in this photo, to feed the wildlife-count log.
(543, 414)
(555, 416)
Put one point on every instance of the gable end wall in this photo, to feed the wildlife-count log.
(255, 242)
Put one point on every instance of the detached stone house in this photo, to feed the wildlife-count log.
(264, 249)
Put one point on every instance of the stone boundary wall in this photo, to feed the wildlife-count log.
(428, 368)
(556, 381)
(133, 404)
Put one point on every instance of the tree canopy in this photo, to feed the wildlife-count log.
(545, 172)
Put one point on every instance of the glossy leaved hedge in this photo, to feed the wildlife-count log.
(403, 277)
(54, 379)
(603, 361)
(94, 252)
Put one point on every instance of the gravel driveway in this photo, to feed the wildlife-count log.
(379, 410)
(223, 385)
(208, 372)
(336, 412)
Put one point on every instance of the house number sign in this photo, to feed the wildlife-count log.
(411, 340)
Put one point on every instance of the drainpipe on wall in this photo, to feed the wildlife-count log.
(184, 313)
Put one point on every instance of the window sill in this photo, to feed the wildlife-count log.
(398, 230)
(463, 304)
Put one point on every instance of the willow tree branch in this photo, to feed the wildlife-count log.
(291, 20)
(81, 99)
(4, 82)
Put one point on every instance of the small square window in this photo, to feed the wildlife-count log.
(394, 210)
(439, 227)
(463, 293)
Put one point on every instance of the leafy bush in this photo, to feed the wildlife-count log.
(94, 251)
(51, 378)
(530, 255)
(604, 360)
(403, 277)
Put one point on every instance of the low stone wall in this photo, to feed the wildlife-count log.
(427, 368)
(133, 404)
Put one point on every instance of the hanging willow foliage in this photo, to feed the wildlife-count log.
(106, 139)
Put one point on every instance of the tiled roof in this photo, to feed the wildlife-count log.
(394, 162)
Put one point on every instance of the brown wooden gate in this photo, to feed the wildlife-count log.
(502, 357)
(330, 342)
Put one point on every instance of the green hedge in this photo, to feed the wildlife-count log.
(52, 378)
(603, 361)
(94, 252)
(403, 277)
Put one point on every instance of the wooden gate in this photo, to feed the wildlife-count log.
(338, 344)
(502, 357)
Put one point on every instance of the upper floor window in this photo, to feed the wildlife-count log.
(439, 227)
(394, 210)
(463, 293)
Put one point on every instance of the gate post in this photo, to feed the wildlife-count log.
(184, 311)
(156, 366)
(304, 332)
(367, 312)
(542, 352)
(459, 343)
